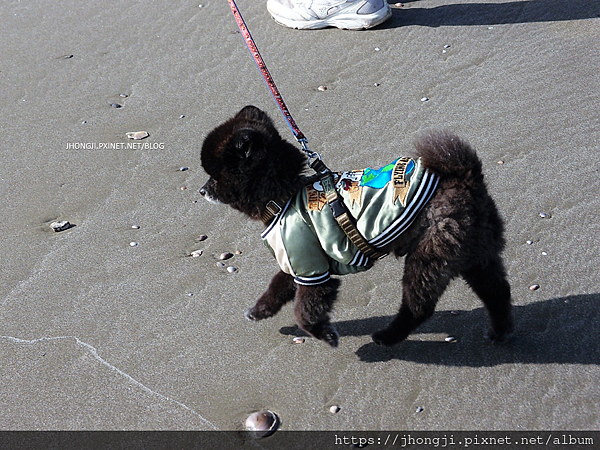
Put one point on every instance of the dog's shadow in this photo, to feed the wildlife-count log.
(559, 331)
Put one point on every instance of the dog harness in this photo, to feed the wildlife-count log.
(309, 244)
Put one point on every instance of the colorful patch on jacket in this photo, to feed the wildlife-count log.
(377, 178)
(400, 178)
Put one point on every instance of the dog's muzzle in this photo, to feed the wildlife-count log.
(206, 192)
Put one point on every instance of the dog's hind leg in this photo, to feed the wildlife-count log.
(313, 304)
(490, 284)
(422, 285)
(280, 291)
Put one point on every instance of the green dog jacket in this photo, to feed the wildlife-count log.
(308, 243)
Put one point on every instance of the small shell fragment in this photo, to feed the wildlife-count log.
(231, 269)
(529, 242)
(534, 287)
(137, 135)
(322, 88)
(225, 255)
(425, 99)
(202, 237)
(135, 227)
(544, 215)
(196, 253)
(334, 409)
(262, 423)
(420, 409)
(61, 225)
(133, 244)
(451, 339)
(298, 340)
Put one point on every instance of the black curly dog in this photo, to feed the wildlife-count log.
(458, 233)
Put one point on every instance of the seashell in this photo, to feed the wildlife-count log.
(425, 99)
(322, 88)
(181, 116)
(238, 252)
(116, 105)
(220, 264)
(529, 242)
(133, 244)
(137, 135)
(544, 254)
(298, 340)
(262, 423)
(225, 255)
(202, 237)
(451, 339)
(500, 162)
(334, 409)
(196, 253)
(231, 269)
(377, 49)
(123, 95)
(183, 168)
(61, 225)
(420, 409)
(447, 46)
(544, 215)
(534, 287)
(135, 227)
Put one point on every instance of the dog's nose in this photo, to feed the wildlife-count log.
(202, 192)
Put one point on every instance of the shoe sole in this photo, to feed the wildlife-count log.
(342, 21)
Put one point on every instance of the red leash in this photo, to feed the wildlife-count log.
(269, 80)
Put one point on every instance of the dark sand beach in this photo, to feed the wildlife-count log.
(97, 333)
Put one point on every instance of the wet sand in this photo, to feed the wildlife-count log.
(97, 334)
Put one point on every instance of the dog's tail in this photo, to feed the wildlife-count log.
(449, 156)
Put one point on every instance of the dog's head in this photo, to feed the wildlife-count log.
(248, 162)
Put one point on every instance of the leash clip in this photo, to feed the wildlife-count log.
(312, 156)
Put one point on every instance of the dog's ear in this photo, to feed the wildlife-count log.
(253, 113)
(246, 142)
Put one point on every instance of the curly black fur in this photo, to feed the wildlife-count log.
(459, 232)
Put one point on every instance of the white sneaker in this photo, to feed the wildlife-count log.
(313, 14)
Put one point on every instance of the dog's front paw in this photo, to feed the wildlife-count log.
(256, 313)
(327, 334)
(385, 337)
(499, 338)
